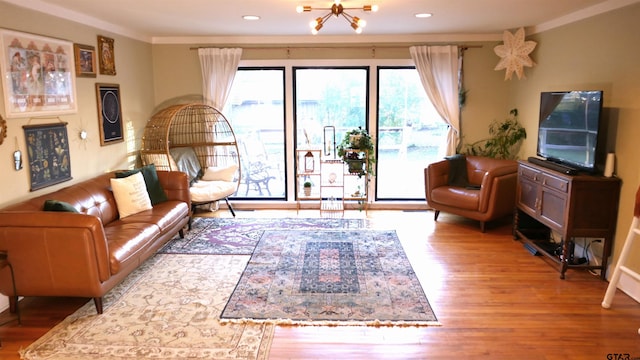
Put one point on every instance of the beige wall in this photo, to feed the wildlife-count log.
(596, 53)
(134, 75)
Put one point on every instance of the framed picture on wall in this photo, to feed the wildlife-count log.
(106, 55)
(109, 113)
(85, 58)
(38, 75)
(48, 152)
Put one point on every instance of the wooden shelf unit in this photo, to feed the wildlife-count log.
(571, 205)
(334, 186)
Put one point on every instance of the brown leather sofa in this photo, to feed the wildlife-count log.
(85, 254)
(489, 194)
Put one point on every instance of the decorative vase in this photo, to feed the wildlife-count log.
(307, 191)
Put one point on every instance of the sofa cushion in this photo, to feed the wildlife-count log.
(57, 205)
(150, 175)
(126, 241)
(460, 197)
(131, 194)
(206, 191)
(166, 215)
(220, 173)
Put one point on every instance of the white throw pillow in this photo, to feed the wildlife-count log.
(131, 194)
(220, 173)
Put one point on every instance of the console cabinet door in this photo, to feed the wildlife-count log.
(527, 196)
(553, 201)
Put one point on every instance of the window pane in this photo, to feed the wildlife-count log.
(255, 110)
(411, 134)
(328, 97)
(325, 97)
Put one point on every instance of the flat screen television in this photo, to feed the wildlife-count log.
(569, 131)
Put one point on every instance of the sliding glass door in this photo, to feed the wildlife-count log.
(256, 111)
(411, 134)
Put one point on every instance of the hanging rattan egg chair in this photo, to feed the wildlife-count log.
(198, 140)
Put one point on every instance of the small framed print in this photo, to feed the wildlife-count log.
(85, 57)
(109, 113)
(106, 56)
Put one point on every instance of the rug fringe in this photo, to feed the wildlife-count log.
(291, 322)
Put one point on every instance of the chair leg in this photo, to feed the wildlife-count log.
(98, 302)
(435, 215)
(226, 199)
(482, 226)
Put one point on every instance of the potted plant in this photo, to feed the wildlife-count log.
(307, 188)
(356, 148)
(504, 142)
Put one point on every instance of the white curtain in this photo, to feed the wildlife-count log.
(219, 68)
(438, 67)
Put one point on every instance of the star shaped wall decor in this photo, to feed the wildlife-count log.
(514, 54)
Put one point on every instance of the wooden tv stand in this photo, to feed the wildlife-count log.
(571, 205)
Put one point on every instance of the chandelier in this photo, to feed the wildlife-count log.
(337, 10)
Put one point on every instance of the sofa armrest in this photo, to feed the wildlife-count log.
(498, 187)
(52, 250)
(175, 185)
(435, 175)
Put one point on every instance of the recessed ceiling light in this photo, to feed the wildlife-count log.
(251, 17)
(424, 15)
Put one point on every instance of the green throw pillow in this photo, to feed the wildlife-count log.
(154, 188)
(56, 205)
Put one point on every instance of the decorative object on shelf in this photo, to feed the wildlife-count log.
(514, 54)
(504, 142)
(37, 74)
(356, 149)
(307, 188)
(109, 113)
(332, 178)
(107, 55)
(337, 10)
(85, 56)
(48, 151)
(309, 162)
(330, 142)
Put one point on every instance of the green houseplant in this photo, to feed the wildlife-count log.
(307, 188)
(504, 141)
(356, 149)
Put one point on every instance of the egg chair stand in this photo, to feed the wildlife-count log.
(196, 139)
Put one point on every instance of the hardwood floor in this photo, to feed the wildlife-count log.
(493, 299)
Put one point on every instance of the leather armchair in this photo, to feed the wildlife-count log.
(490, 193)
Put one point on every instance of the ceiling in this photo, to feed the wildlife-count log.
(172, 20)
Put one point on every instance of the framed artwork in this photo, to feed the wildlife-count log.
(85, 58)
(109, 113)
(106, 56)
(48, 153)
(37, 74)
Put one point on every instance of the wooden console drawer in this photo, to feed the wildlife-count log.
(555, 182)
(529, 173)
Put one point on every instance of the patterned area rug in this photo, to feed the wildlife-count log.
(167, 309)
(329, 277)
(239, 236)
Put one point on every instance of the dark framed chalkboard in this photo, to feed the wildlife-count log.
(48, 153)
